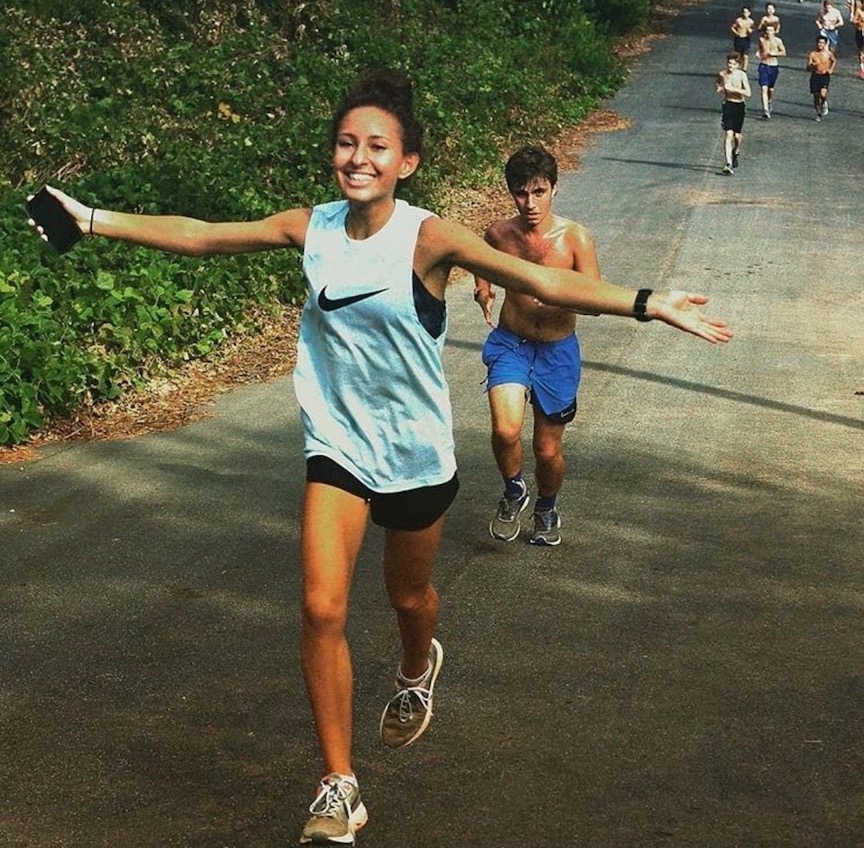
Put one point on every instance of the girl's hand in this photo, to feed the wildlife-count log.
(681, 309)
(79, 212)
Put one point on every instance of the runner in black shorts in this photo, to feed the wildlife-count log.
(742, 29)
(858, 22)
(821, 63)
(374, 400)
(733, 84)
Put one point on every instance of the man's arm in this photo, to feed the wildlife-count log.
(484, 294)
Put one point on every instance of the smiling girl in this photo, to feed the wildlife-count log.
(374, 402)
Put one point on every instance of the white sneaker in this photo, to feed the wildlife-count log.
(337, 813)
(505, 524)
(409, 711)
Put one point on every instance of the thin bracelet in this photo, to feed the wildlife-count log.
(92, 213)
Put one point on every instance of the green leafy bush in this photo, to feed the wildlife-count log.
(220, 110)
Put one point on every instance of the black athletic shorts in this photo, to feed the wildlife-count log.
(818, 82)
(413, 509)
(732, 119)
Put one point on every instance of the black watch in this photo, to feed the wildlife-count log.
(641, 303)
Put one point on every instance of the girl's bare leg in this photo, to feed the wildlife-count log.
(332, 529)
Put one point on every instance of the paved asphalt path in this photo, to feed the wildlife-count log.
(685, 670)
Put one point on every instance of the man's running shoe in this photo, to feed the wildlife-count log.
(409, 711)
(505, 524)
(824, 108)
(547, 524)
(337, 813)
(734, 159)
(727, 169)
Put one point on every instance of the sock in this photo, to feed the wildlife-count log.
(544, 504)
(514, 487)
(409, 682)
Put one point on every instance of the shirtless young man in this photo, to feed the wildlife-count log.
(533, 353)
(857, 18)
(769, 19)
(733, 84)
(821, 63)
(742, 29)
(829, 20)
(770, 49)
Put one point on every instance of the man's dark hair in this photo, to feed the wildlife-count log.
(530, 163)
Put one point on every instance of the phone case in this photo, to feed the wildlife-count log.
(57, 224)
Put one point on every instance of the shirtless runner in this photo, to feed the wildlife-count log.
(533, 354)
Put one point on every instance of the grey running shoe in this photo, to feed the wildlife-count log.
(505, 525)
(825, 108)
(337, 813)
(734, 158)
(409, 711)
(547, 525)
(727, 169)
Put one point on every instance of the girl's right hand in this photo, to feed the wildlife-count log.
(79, 212)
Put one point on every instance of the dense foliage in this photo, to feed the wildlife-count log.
(219, 110)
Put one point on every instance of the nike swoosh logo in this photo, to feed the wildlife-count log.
(329, 304)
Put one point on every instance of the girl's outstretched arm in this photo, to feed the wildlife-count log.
(188, 236)
(454, 245)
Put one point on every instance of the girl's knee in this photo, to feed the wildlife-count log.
(324, 612)
(413, 600)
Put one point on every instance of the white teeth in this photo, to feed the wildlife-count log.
(360, 178)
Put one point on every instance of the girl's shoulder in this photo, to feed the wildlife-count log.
(409, 210)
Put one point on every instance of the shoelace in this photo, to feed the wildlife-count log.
(508, 508)
(404, 704)
(331, 797)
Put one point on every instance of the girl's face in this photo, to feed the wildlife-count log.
(368, 157)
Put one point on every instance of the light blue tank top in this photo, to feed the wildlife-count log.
(369, 377)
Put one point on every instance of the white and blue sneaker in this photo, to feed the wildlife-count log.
(505, 524)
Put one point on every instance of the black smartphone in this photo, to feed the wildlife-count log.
(57, 224)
